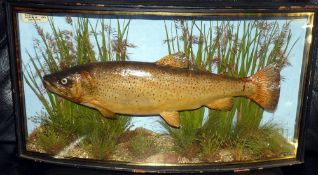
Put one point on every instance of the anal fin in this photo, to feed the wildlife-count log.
(172, 118)
(221, 104)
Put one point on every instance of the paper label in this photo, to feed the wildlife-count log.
(34, 18)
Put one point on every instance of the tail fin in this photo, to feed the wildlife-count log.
(267, 83)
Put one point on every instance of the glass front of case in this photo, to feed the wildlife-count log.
(163, 89)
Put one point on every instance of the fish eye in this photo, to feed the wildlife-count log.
(64, 81)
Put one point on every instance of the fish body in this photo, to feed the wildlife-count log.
(138, 88)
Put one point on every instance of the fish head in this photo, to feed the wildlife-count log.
(72, 85)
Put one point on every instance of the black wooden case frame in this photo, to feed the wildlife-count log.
(154, 8)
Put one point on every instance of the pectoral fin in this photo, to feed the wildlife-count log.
(175, 60)
(104, 111)
(221, 104)
(107, 113)
(172, 118)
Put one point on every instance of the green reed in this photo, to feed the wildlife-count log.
(63, 121)
(234, 49)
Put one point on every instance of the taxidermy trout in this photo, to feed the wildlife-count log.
(164, 87)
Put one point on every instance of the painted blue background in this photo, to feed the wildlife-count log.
(149, 35)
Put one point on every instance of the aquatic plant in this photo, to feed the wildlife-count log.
(101, 136)
(210, 144)
(237, 49)
(63, 121)
(267, 141)
(51, 140)
(142, 146)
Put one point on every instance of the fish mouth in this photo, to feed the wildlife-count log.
(52, 87)
(47, 84)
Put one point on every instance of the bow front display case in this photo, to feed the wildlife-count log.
(158, 86)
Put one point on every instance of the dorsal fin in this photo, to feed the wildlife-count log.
(175, 60)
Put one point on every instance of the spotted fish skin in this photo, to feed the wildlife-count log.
(145, 88)
(138, 88)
